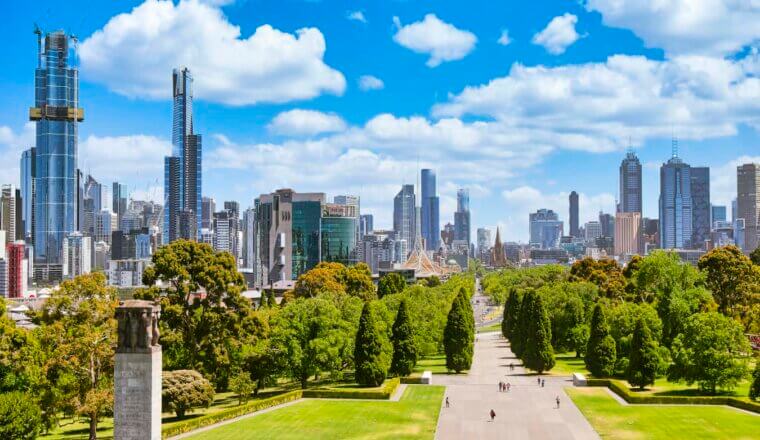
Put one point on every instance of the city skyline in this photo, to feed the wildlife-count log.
(257, 143)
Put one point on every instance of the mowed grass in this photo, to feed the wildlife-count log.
(495, 327)
(415, 416)
(436, 364)
(567, 364)
(615, 421)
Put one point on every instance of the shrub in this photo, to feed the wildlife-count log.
(183, 390)
(20, 417)
(242, 385)
(754, 389)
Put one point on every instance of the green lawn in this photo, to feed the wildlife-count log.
(615, 421)
(495, 327)
(415, 416)
(567, 364)
(662, 387)
(435, 364)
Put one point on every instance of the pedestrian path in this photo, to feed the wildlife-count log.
(527, 411)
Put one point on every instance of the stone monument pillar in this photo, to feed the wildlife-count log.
(137, 375)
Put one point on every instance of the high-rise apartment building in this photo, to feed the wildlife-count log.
(462, 217)
(366, 224)
(593, 230)
(105, 223)
(546, 229)
(208, 208)
(249, 242)
(28, 172)
(183, 170)
(77, 255)
(225, 231)
(748, 204)
(56, 113)
(607, 223)
(16, 273)
(700, 206)
(120, 200)
(10, 212)
(630, 184)
(574, 213)
(627, 233)
(429, 218)
(717, 214)
(484, 242)
(675, 204)
(404, 214)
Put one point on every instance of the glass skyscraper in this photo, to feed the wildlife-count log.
(630, 184)
(183, 170)
(574, 212)
(675, 204)
(404, 215)
(462, 216)
(56, 112)
(430, 222)
(700, 206)
(27, 193)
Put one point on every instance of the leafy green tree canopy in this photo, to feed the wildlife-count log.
(183, 390)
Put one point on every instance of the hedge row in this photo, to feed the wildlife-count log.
(412, 380)
(624, 391)
(230, 413)
(384, 393)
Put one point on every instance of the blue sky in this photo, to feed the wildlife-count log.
(522, 102)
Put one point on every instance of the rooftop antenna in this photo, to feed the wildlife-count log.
(674, 147)
(75, 42)
(38, 32)
(630, 144)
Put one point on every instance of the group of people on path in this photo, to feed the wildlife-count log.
(504, 387)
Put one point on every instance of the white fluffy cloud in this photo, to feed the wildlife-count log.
(356, 16)
(12, 144)
(558, 34)
(699, 97)
(299, 122)
(712, 27)
(135, 159)
(441, 40)
(523, 200)
(135, 52)
(369, 82)
(504, 39)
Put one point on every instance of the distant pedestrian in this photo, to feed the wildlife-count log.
(538, 381)
(447, 401)
(511, 366)
(493, 415)
(543, 382)
(557, 402)
(508, 386)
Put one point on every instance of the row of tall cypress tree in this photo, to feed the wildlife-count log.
(526, 325)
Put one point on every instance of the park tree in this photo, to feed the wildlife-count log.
(242, 385)
(183, 390)
(20, 417)
(511, 312)
(78, 332)
(605, 273)
(754, 387)
(390, 284)
(731, 277)
(754, 256)
(520, 331)
(644, 358)
(708, 352)
(404, 348)
(271, 299)
(622, 319)
(308, 336)
(600, 353)
(202, 309)
(538, 353)
(370, 371)
(335, 278)
(358, 281)
(458, 334)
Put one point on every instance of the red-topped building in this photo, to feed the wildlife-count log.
(15, 252)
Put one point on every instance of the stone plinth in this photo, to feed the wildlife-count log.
(137, 373)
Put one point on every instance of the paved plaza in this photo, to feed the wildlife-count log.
(527, 411)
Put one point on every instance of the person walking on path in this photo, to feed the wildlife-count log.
(508, 386)
(447, 401)
(557, 402)
(511, 366)
(493, 415)
(538, 380)
(543, 382)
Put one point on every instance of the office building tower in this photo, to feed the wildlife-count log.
(225, 232)
(130, 221)
(717, 214)
(574, 212)
(249, 248)
(183, 170)
(288, 234)
(28, 172)
(119, 200)
(352, 202)
(627, 233)
(77, 255)
(233, 208)
(740, 234)
(592, 230)
(338, 234)
(675, 204)
(16, 273)
(447, 235)
(92, 204)
(630, 184)
(733, 209)
(56, 113)
(484, 243)
(546, 229)
(404, 214)
(366, 224)
(9, 202)
(130, 245)
(607, 222)
(208, 208)
(748, 204)
(462, 217)
(700, 206)
(429, 214)
(105, 224)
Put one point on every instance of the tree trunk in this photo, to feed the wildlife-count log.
(93, 427)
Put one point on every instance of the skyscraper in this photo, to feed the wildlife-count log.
(675, 204)
(27, 192)
(430, 222)
(338, 234)
(717, 214)
(462, 216)
(9, 202)
(700, 206)
(630, 184)
(120, 199)
(748, 204)
(404, 215)
(208, 208)
(574, 230)
(77, 255)
(183, 170)
(627, 233)
(56, 112)
(545, 229)
(366, 224)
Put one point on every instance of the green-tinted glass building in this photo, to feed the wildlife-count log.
(339, 239)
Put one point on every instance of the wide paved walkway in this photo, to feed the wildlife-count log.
(526, 412)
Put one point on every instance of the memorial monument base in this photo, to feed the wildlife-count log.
(137, 376)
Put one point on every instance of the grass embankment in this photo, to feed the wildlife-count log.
(613, 420)
(415, 416)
